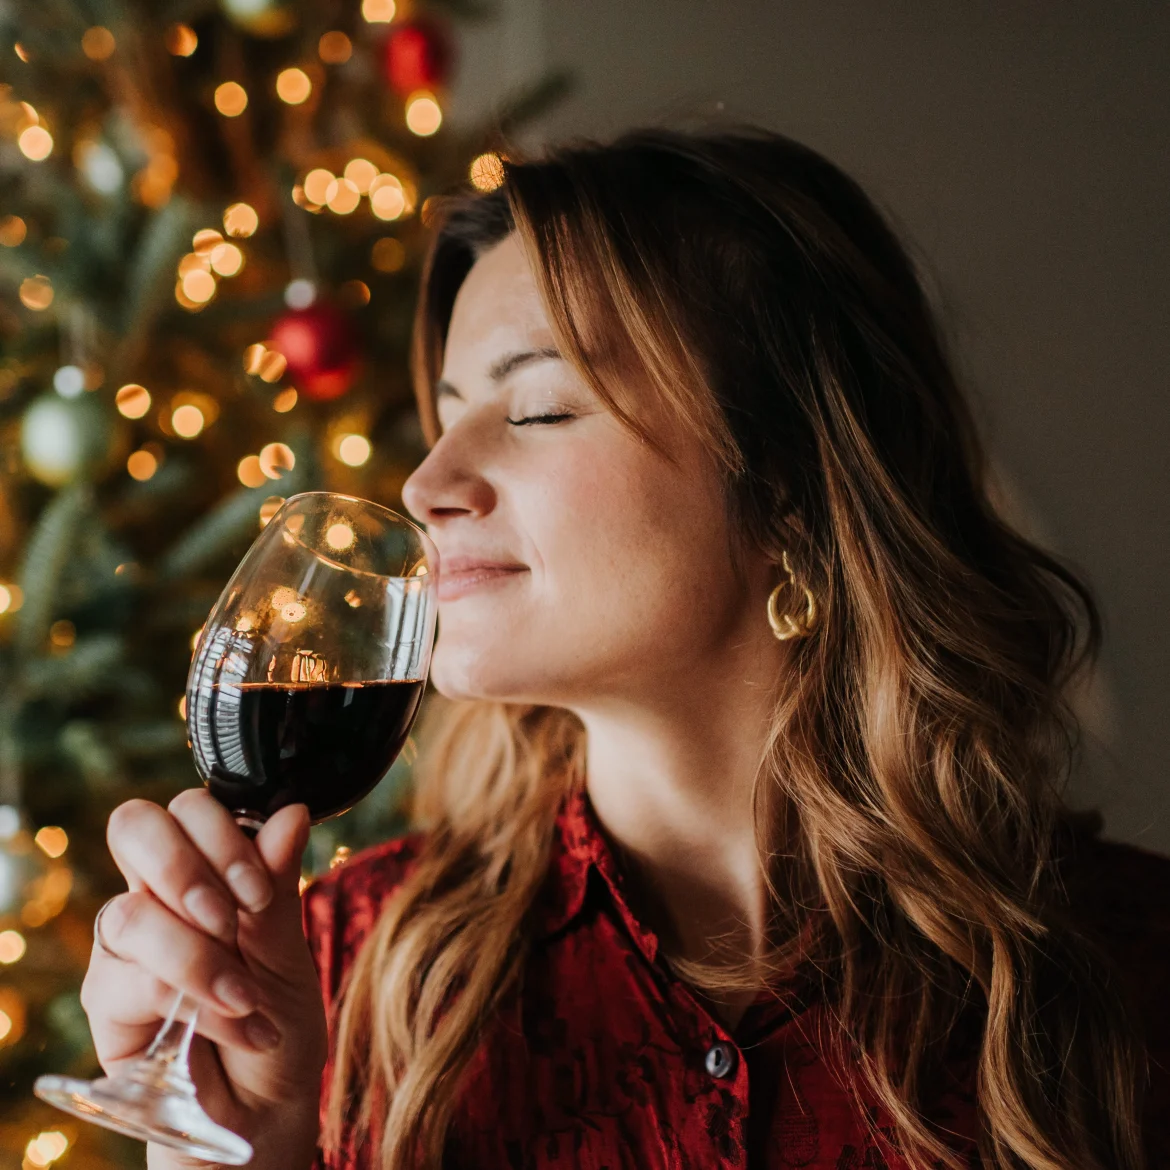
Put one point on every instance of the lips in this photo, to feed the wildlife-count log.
(461, 575)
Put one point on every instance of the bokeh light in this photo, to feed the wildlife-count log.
(240, 220)
(231, 99)
(423, 116)
(293, 86)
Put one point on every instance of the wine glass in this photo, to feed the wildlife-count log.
(303, 687)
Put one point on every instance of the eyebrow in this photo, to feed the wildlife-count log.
(502, 367)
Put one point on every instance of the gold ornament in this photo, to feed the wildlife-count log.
(784, 625)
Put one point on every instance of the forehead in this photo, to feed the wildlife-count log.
(497, 302)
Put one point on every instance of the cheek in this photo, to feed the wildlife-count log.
(629, 576)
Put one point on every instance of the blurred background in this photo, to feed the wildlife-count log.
(211, 218)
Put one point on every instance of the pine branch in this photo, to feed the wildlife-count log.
(53, 539)
(89, 667)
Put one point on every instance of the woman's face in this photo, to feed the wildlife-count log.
(576, 564)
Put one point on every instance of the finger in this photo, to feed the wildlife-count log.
(227, 848)
(141, 930)
(153, 851)
(281, 844)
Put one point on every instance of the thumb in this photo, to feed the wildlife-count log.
(281, 842)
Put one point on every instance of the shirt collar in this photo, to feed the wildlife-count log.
(580, 850)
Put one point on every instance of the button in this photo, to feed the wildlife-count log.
(720, 1060)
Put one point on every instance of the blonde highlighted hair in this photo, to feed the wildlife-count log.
(907, 802)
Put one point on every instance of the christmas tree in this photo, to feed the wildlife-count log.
(211, 221)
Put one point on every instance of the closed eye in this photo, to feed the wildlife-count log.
(540, 418)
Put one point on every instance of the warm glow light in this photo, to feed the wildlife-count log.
(353, 450)
(46, 1148)
(231, 99)
(355, 292)
(142, 465)
(423, 116)
(194, 262)
(276, 459)
(250, 473)
(52, 840)
(294, 612)
(184, 300)
(63, 634)
(302, 884)
(188, 421)
(361, 173)
(21, 51)
(36, 292)
(5, 1028)
(12, 946)
(205, 241)
(181, 40)
(5, 599)
(387, 254)
(378, 11)
(268, 509)
(132, 400)
(183, 707)
(387, 197)
(339, 537)
(334, 48)
(293, 86)
(285, 401)
(199, 286)
(35, 143)
(486, 171)
(195, 637)
(316, 185)
(12, 231)
(227, 259)
(344, 198)
(270, 365)
(97, 43)
(252, 357)
(240, 220)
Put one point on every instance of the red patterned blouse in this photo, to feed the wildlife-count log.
(603, 1060)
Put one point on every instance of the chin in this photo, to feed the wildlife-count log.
(489, 673)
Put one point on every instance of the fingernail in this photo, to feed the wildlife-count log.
(249, 885)
(234, 993)
(261, 1033)
(211, 910)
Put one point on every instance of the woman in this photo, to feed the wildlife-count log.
(739, 838)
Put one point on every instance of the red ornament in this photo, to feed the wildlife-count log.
(419, 54)
(320, 347)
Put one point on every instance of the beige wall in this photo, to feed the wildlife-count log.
(1023, 149)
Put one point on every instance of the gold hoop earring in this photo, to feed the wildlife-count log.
(784, 625)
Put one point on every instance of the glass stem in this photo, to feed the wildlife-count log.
(165, 1062)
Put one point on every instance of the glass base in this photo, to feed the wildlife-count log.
(148, 1110)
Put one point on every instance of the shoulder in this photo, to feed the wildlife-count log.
(340, 908)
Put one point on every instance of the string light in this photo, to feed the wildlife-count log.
(240, 220)
(205, 241)
(316, 185)
(63, 634)
(339, 537)
(36, 292)
(486, 171)
(97, 43)
(353, 450)
(423, 116)
(181, 40)
(142, 465)
(132, 400)
(268, 509)
(340, 856)
(46, 1148)
(21, 51)
(264, 363)
(334, 48)
(36, 143)
(52, 840)
(11, 599)
(231, 99)
(250, 473)
(285, 401)
(198, 286)
(355, 292)
(293, 86)
(188, 421)
(183, 707)
(387, 197)
(12, 947)
(300, 293)
(12, 231)
(195, 637)
(276, 459)
(361, 173)
(343, 197)
(227, 260)
(69, 381)
(387, 254)
(378, 11)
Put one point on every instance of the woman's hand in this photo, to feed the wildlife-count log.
(216, 916)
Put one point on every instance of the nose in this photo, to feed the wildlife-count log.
(446, 484)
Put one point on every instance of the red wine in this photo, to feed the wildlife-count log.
(260, 746)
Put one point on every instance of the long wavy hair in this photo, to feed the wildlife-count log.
(908, 798)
